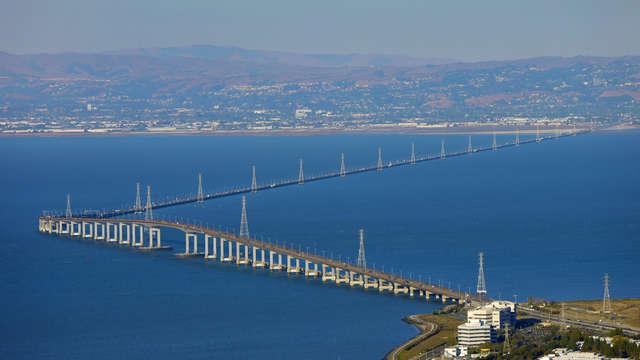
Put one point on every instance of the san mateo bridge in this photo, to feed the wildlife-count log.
(212, 244)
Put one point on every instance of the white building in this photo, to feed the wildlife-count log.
(458, 351)
(565, 354)
(473, 333)
(497, 314)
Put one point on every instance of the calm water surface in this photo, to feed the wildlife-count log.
(552, 218)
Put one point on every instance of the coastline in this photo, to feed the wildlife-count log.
(390, 130)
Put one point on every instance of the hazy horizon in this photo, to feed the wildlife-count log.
(463, 31)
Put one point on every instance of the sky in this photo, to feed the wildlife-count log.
(454, 29)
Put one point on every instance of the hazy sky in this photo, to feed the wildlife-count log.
(465, 30)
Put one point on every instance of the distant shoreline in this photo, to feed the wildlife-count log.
(391, 130)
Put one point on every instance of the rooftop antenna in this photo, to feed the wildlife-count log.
(244, 224)
(362, 259)
(379, 167)
(494, 145)
(443, 152)
(148, 214)
(68, 212)
(138, 206)
(481, 289)
(606, 299)
(254, 183)
(413, 153)
(469, 147)
(301, 174)
(200, 196)
(343, 169)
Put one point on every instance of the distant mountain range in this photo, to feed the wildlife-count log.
(237, 85)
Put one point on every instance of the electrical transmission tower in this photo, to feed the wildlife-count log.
(68, 213)
(606, 299)
(518, 137)
(443, 152)
(379, 167)
(494, 145)
(362, 259)
(469, 147)
(244, 224)
(148, 213)
(138, 206)
(200, 196)
(301, 174)
(413, 153)
(343, 169)
(506, 346)
(481, 288)
(254, 182)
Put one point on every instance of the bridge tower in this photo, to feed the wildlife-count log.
(148, 214)
(138, 206)
(606, 299)
(362, 259)
(301, 174)
(343, 169)
(517, 137)
(494, 144)
(481, 288)
(443, 152)
(254, 182)
(244, 224)
(413, 153)
(469, 146)
(68, 213)
(200, 196)
(379, 166)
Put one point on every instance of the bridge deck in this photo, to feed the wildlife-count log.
(277, 248)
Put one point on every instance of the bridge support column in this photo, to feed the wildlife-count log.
(54, 226)
(444, 298)
(139, 230)
(64, 227)
(206, 247)
(75, 228)
(115, 232)
(398, 288)
(384, 285)
(369, 284)
(121, 227)
(242, 259)
(328, 275)
(339, 278)
(355, 279)
(87, 234)
(308, 270)
(101, 226)
(188, 238)
(154, 233)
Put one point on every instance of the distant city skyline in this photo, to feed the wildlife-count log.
(466, 31)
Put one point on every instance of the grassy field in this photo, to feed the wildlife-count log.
(625, 311)
(448, 327)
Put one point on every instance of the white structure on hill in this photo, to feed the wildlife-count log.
(474, 333)
(498, 314)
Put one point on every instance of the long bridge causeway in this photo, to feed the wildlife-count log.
(343, 171)
(215, 245)
(226, 247)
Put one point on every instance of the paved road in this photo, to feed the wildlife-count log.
(577, 323)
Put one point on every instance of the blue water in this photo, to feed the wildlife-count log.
(552, 218)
